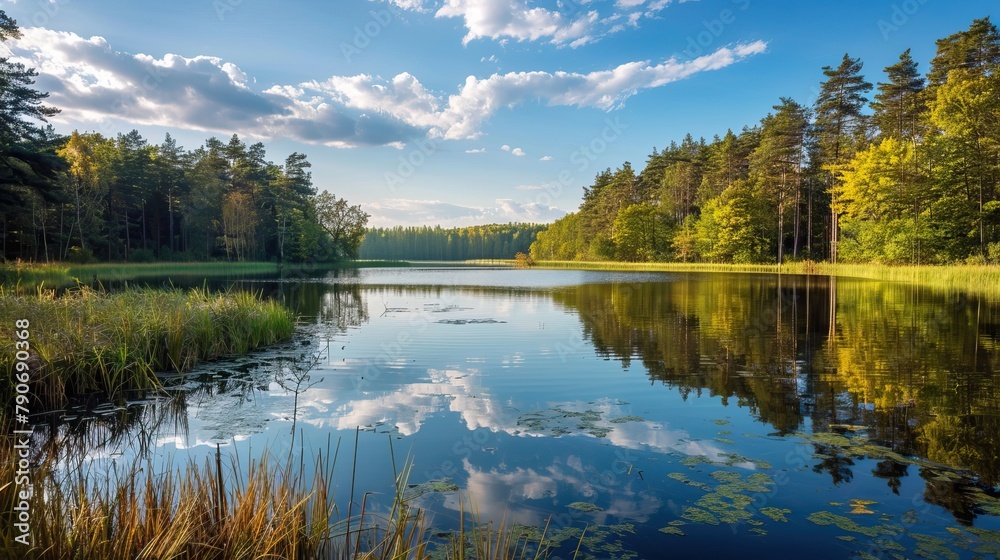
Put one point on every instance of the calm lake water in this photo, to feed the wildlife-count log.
(708, 415)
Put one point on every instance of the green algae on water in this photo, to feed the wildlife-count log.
(777, 514)
(585, 506)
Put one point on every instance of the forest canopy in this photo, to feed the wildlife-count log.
(85, 196)
(908, 175)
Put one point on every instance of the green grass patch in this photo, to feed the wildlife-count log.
(62, 275)
(86, 341)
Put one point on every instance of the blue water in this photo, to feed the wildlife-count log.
(644, 395)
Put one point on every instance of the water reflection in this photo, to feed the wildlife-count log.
(905, 375)
(915, 367)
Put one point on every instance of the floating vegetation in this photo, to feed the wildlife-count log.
(724, 432)
(698, 515)
(844, 523)
(725, 476)
(469, 322)
(672, 530)
(720, 422)
(440, 485)
(724, 459)
(889, 544)
(683, 479)
(849, 427)
(600, 541)
(695, 460)
(758, 531)
(860, 507)
(585, 506)
(826, 438)
(777, 514)
(724, 440)
(933, 547)
(629, 418)
(565, 420)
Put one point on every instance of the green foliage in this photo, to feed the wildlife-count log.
(494, 241)
(914, 182)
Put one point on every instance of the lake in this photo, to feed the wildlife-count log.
(711, 415)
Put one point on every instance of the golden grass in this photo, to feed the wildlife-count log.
(264, 510)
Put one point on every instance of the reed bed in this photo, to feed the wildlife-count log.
(215, 511)
(87, 341)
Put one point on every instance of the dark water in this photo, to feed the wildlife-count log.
(759, 416)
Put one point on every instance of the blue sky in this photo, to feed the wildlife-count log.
(455, 112)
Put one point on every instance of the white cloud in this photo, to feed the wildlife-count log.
(413, 5)
(398, 211)
(91, 81)
(514, 19)
(546, 158)
(476, 151)
(518, 20)
(517, 152)
(505, 148)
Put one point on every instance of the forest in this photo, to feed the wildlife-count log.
(86, 197)
(495, 241)
(908, 176)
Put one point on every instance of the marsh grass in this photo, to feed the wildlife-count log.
(265, 508)
(86, 341)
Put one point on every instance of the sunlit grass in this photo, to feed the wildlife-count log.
(225, 510)
(30, 275)
(975, 279)
(86, 341)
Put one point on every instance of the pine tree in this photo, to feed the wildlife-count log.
(840, 126)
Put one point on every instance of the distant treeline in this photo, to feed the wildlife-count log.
(495, 241)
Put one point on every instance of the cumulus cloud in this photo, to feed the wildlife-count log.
(546, 158)
(573, 23)
(91, 81)
(476, 151)
(517, 152)
(400, 211)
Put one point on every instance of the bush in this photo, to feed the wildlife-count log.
(993, 252)
(80, 255)
(142, 256)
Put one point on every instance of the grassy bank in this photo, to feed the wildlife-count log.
(55, 275)
(86, 341)
(975, 279)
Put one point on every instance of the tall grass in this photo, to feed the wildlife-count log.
(266, 509)
(86, 341)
